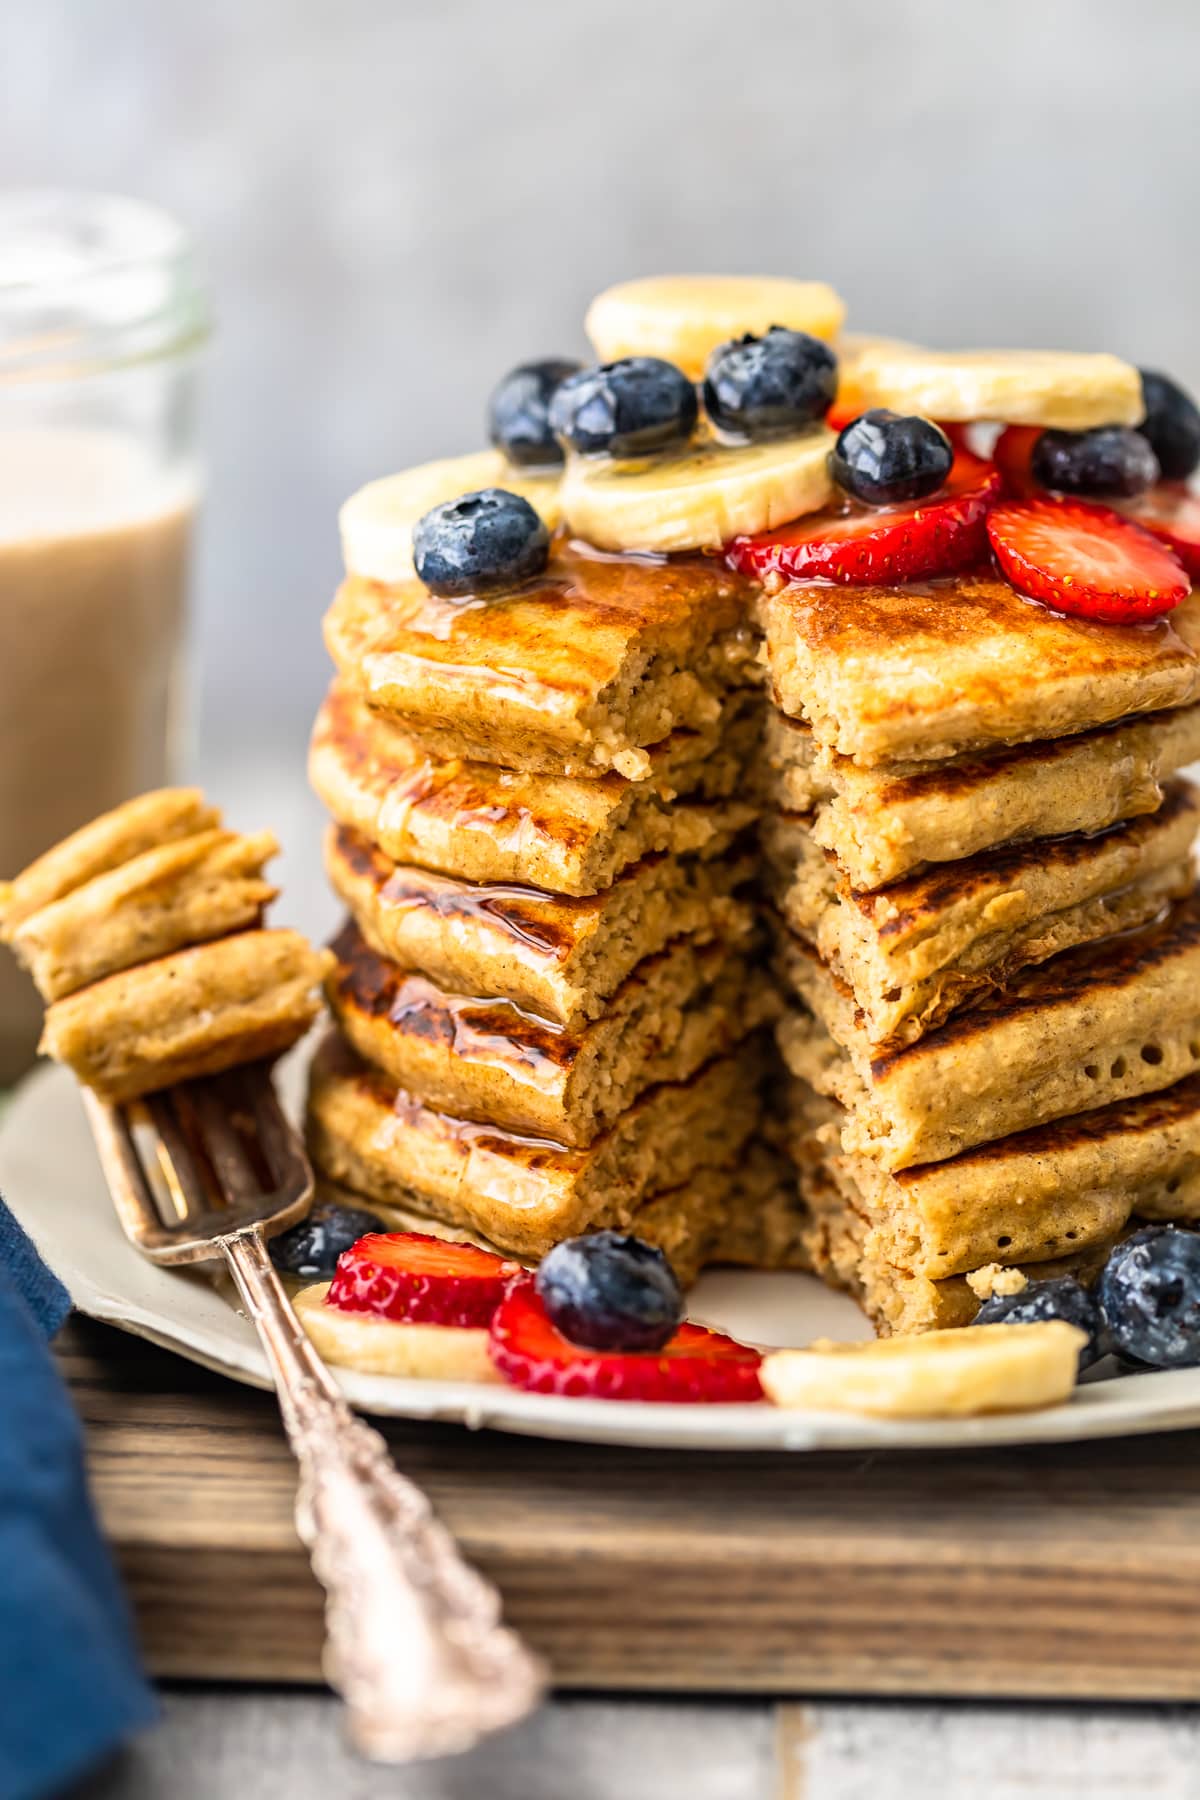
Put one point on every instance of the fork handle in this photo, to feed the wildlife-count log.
(414, 1640)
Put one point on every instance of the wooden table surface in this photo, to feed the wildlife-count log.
(1048, 1571)
(225, 1742)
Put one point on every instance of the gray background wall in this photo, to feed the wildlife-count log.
(398, 200)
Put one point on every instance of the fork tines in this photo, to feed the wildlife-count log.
(200, 1161)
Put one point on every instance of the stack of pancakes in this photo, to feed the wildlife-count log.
(549, 1000)
(979, 856)
(851, 927)
(586, 863)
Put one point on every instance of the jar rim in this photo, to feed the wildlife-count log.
(91, 282)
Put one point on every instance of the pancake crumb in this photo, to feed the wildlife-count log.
(994, 1278)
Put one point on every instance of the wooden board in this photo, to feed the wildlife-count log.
(1057, 1571)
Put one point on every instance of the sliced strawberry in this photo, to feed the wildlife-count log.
(1172, 512)
(1013, 455)
(855, 543)
(959, 435)
(694, 1365)
(422, 1280)
(840, 415)
(1085, 560)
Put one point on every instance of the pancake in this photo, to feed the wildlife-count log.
(1046, 1200)
(182, 892)
(897, 1302)
(524, 1193)
(931, 670)
(561, 957)
(1089, 1027)
(913, 953)
(481, 823)
(576, 673)
(888, 822)
(488, 1060)
(197, 1012)
(142, 824)
(749, 1213)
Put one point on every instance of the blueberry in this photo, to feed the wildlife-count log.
(312, 1247)
(1061, 1298)
(1111, 462)
(1149, 1293)
(764, 387)
(883, 458)
(518, 417)
(1171, 426)
(610, 1292)
(634, 407)
(489, 539)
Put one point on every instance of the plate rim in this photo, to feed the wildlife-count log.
(1136, 1405)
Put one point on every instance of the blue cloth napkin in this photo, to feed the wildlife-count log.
(71, 1682)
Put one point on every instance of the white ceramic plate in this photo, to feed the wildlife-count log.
(51, 1180)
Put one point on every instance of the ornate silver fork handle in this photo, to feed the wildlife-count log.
(414, 1639)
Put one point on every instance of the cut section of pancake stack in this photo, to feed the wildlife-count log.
(979, 853)
(551, 1011)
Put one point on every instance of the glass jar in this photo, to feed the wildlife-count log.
(101, 322)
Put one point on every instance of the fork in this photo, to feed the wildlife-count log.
(414, 1639)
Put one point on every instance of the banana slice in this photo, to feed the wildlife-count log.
(684, 317)
(1066, 390)
(389, 1347)
(700, 498)
(850, 345)
(377, 522)
(943, 1375)
(849, 348)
